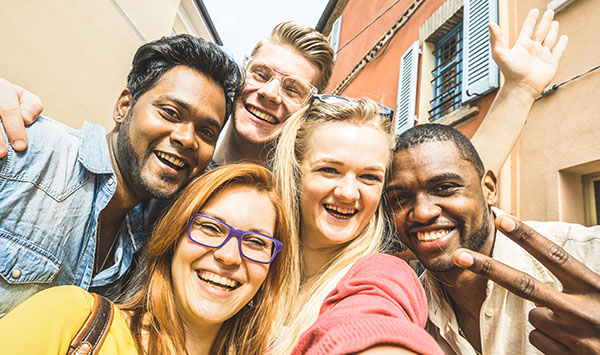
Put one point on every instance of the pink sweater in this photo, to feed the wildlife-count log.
(379, 301)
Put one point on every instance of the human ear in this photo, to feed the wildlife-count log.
(490, 188)
(122, 106)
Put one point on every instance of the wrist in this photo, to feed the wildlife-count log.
(519, 90)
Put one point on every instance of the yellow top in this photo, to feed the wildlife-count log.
(47, 322)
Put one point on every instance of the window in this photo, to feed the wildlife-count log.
(334, 39)
(591, 197)
(447, 74)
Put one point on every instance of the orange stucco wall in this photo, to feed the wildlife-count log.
(378, 80)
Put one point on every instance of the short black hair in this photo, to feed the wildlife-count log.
(153, 59)
(432, 132)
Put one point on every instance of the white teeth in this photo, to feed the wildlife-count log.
(171, 159)
(432, 235)
(339, 212)
(219, 280)
(263, 116)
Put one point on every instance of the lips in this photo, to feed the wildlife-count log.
(429, 236)
(217, 281)
(262, 115)
(171, 160)
(340, 212)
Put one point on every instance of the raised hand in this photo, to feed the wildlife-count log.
(18, 107)
(533, 60)
(566, 322)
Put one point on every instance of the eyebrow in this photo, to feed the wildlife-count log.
(215, 216)
(186, 106)
(440, 177)
(445, 176)
(340, 163)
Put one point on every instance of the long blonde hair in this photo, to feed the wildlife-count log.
(289, 155)
(153, 309)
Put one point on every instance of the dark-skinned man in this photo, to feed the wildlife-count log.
(442, 201)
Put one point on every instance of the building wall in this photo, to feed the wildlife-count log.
(542, 179)
(561, 141)
(379, 79)
(76, 55)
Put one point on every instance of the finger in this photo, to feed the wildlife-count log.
(31, 107)
(552, 35)
(573, 274)
(542, 29)
(515, 281)
(528, 24)
(548, 322)
(10, 114)
(560, 47)
(497, 40)
(546, 344)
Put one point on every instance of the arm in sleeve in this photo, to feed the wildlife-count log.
(379, 301)
(46, 322)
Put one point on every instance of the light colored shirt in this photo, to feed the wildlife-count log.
(503, 317)
(51, 196)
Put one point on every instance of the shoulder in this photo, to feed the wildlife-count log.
(380, 282)
(580, 241)
(382, 267)
(64, 300)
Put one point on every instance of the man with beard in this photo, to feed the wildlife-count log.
(73, 205)
(442, 200)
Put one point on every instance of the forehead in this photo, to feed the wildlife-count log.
(428, 160)
(287, 60)
(348, 142)
(193, 88)
(242, 206)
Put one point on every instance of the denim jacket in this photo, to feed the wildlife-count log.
(50, 198)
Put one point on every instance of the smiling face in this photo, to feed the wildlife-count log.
(212, 285)
(439, 203)
(168, 137)
(261, 111)
(342, 179)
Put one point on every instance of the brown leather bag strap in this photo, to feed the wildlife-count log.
(94, 330)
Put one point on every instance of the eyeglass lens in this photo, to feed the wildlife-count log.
(213, 233)
(292, 89)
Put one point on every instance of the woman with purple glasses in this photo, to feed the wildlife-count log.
(216, 263)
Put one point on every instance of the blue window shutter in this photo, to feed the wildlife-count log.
(334, 40)
(480, 73)
(407, 89)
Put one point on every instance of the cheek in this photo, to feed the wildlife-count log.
(372, 196)
(257, 274)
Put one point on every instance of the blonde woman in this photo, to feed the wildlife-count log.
(331, 164)
(214, 274)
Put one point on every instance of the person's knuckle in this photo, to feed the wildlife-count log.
(523, 233)
(557, 254)
(525, 285)
(486, 268)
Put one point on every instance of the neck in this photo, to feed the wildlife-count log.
(235, 149)
(113, 213)
(199, 339)
(466, 293)
(315, 259)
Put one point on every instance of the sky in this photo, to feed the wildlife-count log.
(242, 23)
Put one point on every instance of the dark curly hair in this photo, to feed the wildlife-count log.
(153, 59)
(432, 132)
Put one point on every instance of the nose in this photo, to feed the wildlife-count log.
(424, 209)
(184, 134)
(271, 90)
(347, 189)
(229, 254)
